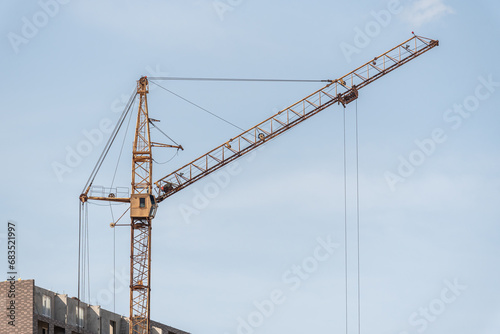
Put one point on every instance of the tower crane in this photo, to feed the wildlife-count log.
(146, 194)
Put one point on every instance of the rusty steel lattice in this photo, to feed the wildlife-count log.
(140, 237)
(140, 270)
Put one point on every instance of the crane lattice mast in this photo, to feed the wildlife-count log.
(140, 232)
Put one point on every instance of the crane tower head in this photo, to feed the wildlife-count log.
(143, 85)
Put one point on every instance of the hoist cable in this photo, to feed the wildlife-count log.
(345, 229)
(84, 252)
(110, 141)
(84, 283)
(79, 247)
(121, 149)
(130, 105)
(194, 104)
(111, 207)
(237, 79)
(84, 291)
(114, 258)
(87, 237)
(114, 270)
(84, 262)
(346, 259)
(357, 218)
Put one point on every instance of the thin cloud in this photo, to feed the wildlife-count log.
(424, 11)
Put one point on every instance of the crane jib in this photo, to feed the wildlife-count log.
(342, 91)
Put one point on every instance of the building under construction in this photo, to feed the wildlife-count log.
(31, 309)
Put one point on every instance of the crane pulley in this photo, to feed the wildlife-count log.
(146, 194)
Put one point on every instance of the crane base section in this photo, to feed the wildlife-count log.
(140, 276)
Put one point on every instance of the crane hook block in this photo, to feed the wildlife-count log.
(143, 206)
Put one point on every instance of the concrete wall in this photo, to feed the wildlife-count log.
(60, 306)
(164, 329)
(93, 319)
(156, 330)
(107, 317)
(62, 318)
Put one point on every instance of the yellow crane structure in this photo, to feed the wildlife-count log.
(146, 194)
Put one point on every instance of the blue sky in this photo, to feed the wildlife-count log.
(429, 230)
